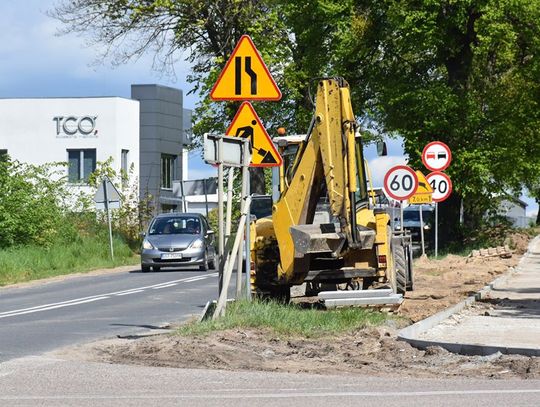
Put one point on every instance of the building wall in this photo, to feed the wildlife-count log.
(32, 130)
(162, 132)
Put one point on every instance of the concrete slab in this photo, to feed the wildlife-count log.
(506, 320)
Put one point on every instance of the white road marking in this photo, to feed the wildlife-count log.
(271, 395)
(168, 285)
(129, 292)
(98, 297)
(44, 308)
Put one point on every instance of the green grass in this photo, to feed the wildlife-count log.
(19, 264)
(290, 320)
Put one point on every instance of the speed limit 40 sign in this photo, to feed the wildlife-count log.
(400, 182)
(441, 184)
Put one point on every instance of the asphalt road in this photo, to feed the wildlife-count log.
(46, 316)
(50, 382)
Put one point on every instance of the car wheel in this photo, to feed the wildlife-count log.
(204, 266)
(145, 269)
(212, 264)
(156, 268)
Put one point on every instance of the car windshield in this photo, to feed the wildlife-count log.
(415, 215)
(176, 225)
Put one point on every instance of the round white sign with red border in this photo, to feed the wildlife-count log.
(436, 156)
(400, 182)
(441, 184)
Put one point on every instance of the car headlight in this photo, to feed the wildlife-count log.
(197, 244)
(147, 245)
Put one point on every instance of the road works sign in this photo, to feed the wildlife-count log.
(400, 182)
(246, 124)
(245, 76)
(436, 156)
(423, 194)
(441, 184)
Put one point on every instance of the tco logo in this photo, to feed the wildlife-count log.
(71, 125)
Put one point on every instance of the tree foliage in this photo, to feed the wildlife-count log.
(460, 71)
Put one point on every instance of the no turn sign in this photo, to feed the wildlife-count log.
(436, 156)
(441, 184)
(400, 182)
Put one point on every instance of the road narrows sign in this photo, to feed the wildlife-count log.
(441, 184)
(436, 156)
(245, 76)
(400, 182)
(246, 124)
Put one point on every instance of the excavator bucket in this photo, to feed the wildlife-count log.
(326, 238)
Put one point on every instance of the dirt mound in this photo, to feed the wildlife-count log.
(370, 351)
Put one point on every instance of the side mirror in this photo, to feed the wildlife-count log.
(381, 149)
(427, 227)
(142, 234)
(209, 233)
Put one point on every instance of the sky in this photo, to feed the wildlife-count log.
(38, 63)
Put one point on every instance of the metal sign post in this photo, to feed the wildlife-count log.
(241, 248)
(422, 232)
(108, 217)
(436, 229)
(107, 197)
(221, 244)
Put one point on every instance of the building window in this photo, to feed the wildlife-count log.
(168, 170)
(124, 161)
(81, 164)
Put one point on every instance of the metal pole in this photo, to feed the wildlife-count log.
(205, 196)
(228, 216)
(422, 231)
(401, 216)
(248, 246)
(184, 207)
(245, 181)
(106, 195)
(221, 244)
(436, 229)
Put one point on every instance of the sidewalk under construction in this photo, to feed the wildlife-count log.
(505, 317)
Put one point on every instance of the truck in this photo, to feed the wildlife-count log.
(325, 229)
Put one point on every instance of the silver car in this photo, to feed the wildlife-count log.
(178, 240)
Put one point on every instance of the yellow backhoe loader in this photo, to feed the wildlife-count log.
(324, 230)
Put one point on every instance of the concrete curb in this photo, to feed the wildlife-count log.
(411, 333)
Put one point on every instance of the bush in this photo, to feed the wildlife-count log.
(32, 207)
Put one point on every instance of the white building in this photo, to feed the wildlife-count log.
(148, 132)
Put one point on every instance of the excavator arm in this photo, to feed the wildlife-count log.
(328, 163)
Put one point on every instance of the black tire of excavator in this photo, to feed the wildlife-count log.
(400, 266)
(410, 278)
(281, 294)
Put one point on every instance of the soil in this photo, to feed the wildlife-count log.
(370, 351)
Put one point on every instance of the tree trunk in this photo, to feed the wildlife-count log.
(256, 180)
(449, 220)
(538, 213)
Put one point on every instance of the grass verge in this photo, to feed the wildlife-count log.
(289, 320)
(19, 264)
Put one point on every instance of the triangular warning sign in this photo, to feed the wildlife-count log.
(423, 194)
(246, 124)
(245, 76)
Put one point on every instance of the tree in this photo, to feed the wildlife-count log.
(463, 72)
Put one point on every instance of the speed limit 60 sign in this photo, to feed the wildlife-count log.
(400, 182)
(441, 184)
